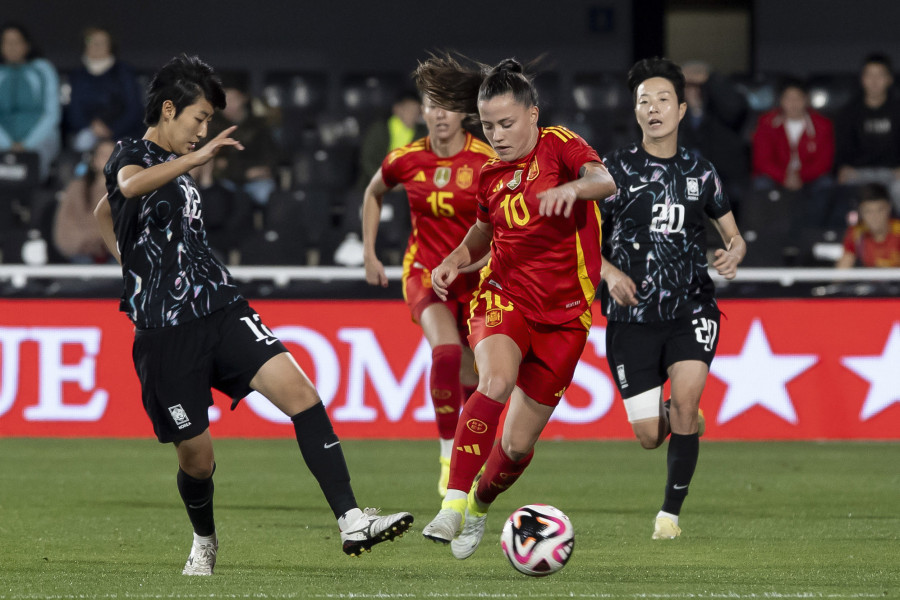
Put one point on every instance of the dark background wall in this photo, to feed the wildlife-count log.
(341, 34)
(347, 35)
(807, 37)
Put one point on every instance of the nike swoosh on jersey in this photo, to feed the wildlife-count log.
(332, 444)
(635, 188)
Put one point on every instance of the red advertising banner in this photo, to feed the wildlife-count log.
(785, 369)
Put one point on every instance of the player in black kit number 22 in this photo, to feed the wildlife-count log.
(662, 316)
(193, 330)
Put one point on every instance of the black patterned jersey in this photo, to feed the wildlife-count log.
(654, 230)
(171, 275)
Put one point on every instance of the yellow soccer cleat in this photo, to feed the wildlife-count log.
(445, 475)
(665, 529)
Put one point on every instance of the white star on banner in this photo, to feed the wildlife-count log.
(756, 376)
(882, 373)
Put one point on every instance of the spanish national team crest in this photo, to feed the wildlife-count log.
(493, 317)
(693, 188)
(516, 180)
(464, 177)
(442, 176)
(533, 170)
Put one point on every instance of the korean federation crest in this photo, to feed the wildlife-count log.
(693, 187)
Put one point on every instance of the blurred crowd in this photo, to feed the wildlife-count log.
(811, 164)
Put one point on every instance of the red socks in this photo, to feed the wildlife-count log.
(445, 389)
(474, 439)
(499, 474)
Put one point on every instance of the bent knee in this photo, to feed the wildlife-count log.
(516, 452)
(650, 442)
(497, 388)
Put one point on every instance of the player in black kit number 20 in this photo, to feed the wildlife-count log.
(663, 320)
(193, 330)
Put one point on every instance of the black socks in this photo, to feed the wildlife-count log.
(197, 495)
(682, 460)
(322, 452)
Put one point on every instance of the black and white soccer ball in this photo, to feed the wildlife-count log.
(538, 540)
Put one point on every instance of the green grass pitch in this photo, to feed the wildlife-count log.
(102, 519)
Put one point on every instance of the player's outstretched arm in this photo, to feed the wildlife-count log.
(727, 259)
(135, 181)
(103, 214)
(473, 249)
(594, 183)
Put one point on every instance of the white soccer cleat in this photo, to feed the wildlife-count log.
(446, 524)
(202, 560)
(665, 529)
(466, 543)
(369, 529)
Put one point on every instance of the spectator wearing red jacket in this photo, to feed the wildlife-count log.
(793, 149)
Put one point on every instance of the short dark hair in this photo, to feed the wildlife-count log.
(509, 77)
(879, 58)
(871, 192)
(33, 51)
(656, 67)
(92, 29)
(792, 82)
(182, 80)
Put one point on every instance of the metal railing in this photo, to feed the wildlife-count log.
(19, 275)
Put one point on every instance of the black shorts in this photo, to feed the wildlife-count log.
(179, 365)
(640, 354)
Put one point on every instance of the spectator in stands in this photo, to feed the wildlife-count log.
(75, 231)
(720, 97)
(402, 127)
(868, 131)
(251, 171)
(29, 98)
(875, 240)
(712, 127)
(107, 102)
(793, 149)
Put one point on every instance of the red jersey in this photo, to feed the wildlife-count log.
(441, 194)
(870, 253)
(548, 266)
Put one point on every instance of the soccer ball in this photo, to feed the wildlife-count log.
(538, 540)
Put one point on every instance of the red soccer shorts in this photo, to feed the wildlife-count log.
(419, 295)
(550, 353)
